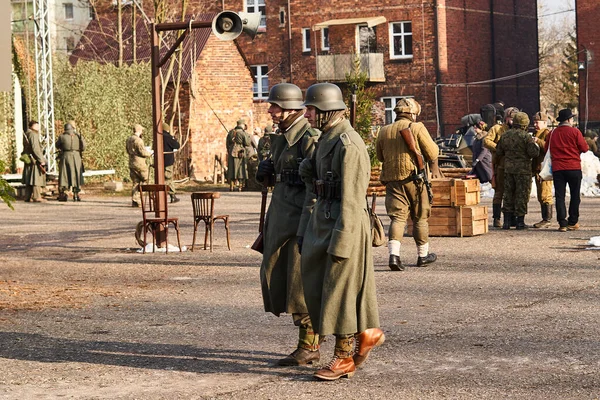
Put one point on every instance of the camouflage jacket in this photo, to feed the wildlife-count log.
(517, 148)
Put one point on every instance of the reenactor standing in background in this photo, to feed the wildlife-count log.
(285, 222)
(170, 147)
(490, 141)
(237, 166)
(517, 148)
(264, 144)
(337, 263)
(70, 145)
(544, 188)
(591, 139)
(405, 191)
(34, 172)
(138, 169)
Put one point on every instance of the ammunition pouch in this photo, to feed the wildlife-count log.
(290, 177)
(328, 190)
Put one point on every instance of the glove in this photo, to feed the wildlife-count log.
(305, 169)
(265, 169)
(300, 240)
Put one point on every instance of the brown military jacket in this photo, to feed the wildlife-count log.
(398, 162)
(137, 153)
(491, 140)
(542, 135)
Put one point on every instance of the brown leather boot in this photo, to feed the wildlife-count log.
(365, 342)
(336, 369)
(300, 357)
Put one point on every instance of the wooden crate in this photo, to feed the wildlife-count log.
(455, 192)
(456, 221)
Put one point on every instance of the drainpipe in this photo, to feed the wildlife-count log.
(438, 74)
(289, 15)
(493, 49)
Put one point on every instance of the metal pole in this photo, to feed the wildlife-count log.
(353, 106)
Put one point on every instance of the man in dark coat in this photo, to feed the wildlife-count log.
(337, 263)
(237, 165)
(285, 223)
(170, 147)
(70, 145)
(34, 172)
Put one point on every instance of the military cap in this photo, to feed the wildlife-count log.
(138, 127)
(591, 134)
(510, 112)
(407, 106)
(540, 116)
(166, 127)
(68, 127)
(268, 129)
(521, 119)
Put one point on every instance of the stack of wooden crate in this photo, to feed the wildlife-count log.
(455, 210)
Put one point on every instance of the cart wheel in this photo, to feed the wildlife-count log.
(139, 234)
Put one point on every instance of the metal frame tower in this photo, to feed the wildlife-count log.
(44, 81)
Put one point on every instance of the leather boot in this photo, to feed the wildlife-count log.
(307, 351)
(428, 259)
(342, 363)
(507, 220)
(62, 196)
(496, 210)
(513, 221)
(521, 222)
(76, 197)
(365, 342)
(174, 198)
(395, 264)
(545, 221)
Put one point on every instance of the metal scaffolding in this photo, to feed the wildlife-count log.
(44, 81)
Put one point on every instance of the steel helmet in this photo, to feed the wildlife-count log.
(287, 96)
(521, 120)
(407, 106)
(325, 97)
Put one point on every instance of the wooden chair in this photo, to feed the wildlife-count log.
(204, 210)
(155, 215)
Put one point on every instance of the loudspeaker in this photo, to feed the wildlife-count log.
(228, 25)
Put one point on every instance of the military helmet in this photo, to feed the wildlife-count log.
(166, 127)
(325, 97)
(540, 116)
(287, 96)
(521, 119)
(407, 106)
(68, 127)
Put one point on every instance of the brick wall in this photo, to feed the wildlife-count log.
(588, 37)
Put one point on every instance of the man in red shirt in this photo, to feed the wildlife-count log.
(566, 143)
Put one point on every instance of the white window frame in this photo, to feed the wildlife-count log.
(260, 6)
(402, 34)
(306, 40)
(258, 91)
(323, 46)
(393, 101)
(65, 6)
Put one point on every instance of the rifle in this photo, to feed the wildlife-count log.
(258, 244)
(422, 172)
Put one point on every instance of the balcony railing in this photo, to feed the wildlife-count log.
(334, 67)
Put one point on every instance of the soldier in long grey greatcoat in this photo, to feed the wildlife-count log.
(237, 160)
(280, 270)
(337, 264)
(70, 145)
(34, 175)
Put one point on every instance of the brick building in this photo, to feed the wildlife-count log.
(216, 87)
(588, 46)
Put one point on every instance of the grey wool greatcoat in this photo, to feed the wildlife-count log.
(237, 141)
(70, 145)
(31, 172)
(280, 270)
(337, 264)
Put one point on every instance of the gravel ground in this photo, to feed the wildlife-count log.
(507, 315)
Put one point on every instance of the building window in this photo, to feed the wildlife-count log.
(305, 39)
(281, 17)
(68, 10)
(260, 88)
(325, 39)
(254, 6)
(390, 104)
(401, 40)
(367, 39)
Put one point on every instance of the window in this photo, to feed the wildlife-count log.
(261, 82)
(253, 6)
(305, 39)
(281, 16)
(325, 39)
(390, 104)
(68, 10)
(367, 39)
(401, 40)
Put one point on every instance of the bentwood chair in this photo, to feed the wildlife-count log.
(156, 214)
(203, 205)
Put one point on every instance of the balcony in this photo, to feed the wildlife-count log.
(334, 67)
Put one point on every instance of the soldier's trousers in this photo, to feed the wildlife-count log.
(402, 201)
(544, 190)
(137, 178)
(169, 179)
(498, 184)
(33, 192)
(517, 188)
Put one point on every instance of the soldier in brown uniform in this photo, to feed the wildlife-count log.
(34, 174)
(406, 194)
(591, 138)
(285, 223)
(517, 148)
(337, 264)
(138, 170)
(490, 141)
(544, 188)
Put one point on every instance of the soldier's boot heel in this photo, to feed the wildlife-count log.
(395, 264)
(521, 223)
(507, 221)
